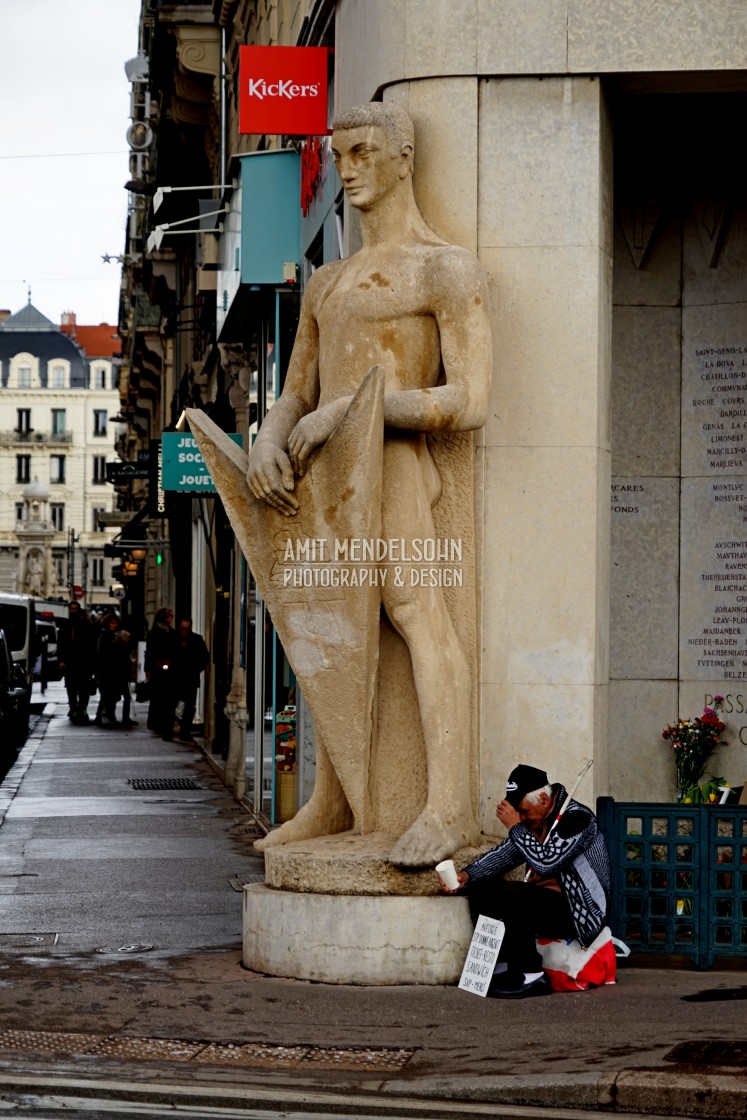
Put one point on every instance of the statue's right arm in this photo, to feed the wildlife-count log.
(270, 474)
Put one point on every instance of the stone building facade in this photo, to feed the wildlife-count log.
(57, 408)
(577, 146)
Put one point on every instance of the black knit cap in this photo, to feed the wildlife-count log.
(523, 780)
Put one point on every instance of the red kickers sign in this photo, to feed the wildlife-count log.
(283, 90)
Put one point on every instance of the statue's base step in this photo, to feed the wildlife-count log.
(349, 864)
(355, 939)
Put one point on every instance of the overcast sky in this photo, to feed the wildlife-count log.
(63, 91)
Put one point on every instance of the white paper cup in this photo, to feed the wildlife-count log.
(447, 874)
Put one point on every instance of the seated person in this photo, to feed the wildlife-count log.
(567, 889)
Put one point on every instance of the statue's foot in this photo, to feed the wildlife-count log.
(433, 837)
(309, 821)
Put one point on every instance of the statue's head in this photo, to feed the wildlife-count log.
(373, 146)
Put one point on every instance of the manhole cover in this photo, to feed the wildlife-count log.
(125, 949)
(716, 995)
(163, 783)
(714, 1052)
(27, 940)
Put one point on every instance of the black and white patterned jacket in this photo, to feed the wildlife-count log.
(574, 852)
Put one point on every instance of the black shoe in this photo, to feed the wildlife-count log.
(522, 990)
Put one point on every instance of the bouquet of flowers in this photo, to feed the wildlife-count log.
(693, 740)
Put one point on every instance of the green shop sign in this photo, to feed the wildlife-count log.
(183, 467)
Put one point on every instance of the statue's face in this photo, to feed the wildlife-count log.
(368, 167)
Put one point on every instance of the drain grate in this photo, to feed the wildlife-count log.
(147, 1049)
(163, 783)
(238, 881)
(301, 1057)
(48, 1042)
(357, 1059)
(715, 1052)
(278, 1057)
(265, 1055)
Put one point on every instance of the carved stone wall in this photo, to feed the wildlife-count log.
(679, 409)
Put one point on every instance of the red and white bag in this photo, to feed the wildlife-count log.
(571, 968)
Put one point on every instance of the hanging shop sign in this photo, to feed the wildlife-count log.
(183, 467)
(283, 90)
(126, 472)
(316, 156)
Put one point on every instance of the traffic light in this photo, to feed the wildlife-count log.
(159, 557)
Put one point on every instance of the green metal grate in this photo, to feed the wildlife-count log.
(680, 877)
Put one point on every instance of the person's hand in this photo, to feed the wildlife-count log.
(270, 478)
(312, 430)
(463, 878)
(506, 814)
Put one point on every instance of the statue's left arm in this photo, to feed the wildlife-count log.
(457, 297)
(459, 302)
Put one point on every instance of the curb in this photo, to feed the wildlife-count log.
(636, 1093)
(643, 1091)
(220, 772)
(11, 783)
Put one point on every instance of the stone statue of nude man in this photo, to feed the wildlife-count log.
(418, 308)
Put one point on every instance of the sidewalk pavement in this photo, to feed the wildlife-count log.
(120, 957)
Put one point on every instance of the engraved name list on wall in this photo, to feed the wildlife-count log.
(714, 410)
(713, 581)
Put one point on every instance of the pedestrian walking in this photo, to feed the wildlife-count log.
(160, 665)
(123, 675)
(75, 657)
(192, 658)
(106, 672)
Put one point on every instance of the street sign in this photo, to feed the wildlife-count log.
(125, 472)
(183, 467)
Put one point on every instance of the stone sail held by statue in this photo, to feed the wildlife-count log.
(330, 633)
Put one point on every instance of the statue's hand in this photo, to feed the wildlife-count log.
(270, 479)
(312, 430)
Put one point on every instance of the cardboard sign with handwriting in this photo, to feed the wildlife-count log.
(482, 955)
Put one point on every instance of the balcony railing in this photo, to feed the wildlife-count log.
(34, 437)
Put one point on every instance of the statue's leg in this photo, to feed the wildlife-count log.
(325, 812)
(440, 671)
(442, 685)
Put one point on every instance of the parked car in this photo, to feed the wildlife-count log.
(18, 622)
(14, 698)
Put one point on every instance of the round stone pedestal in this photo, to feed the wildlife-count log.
(355, 939)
